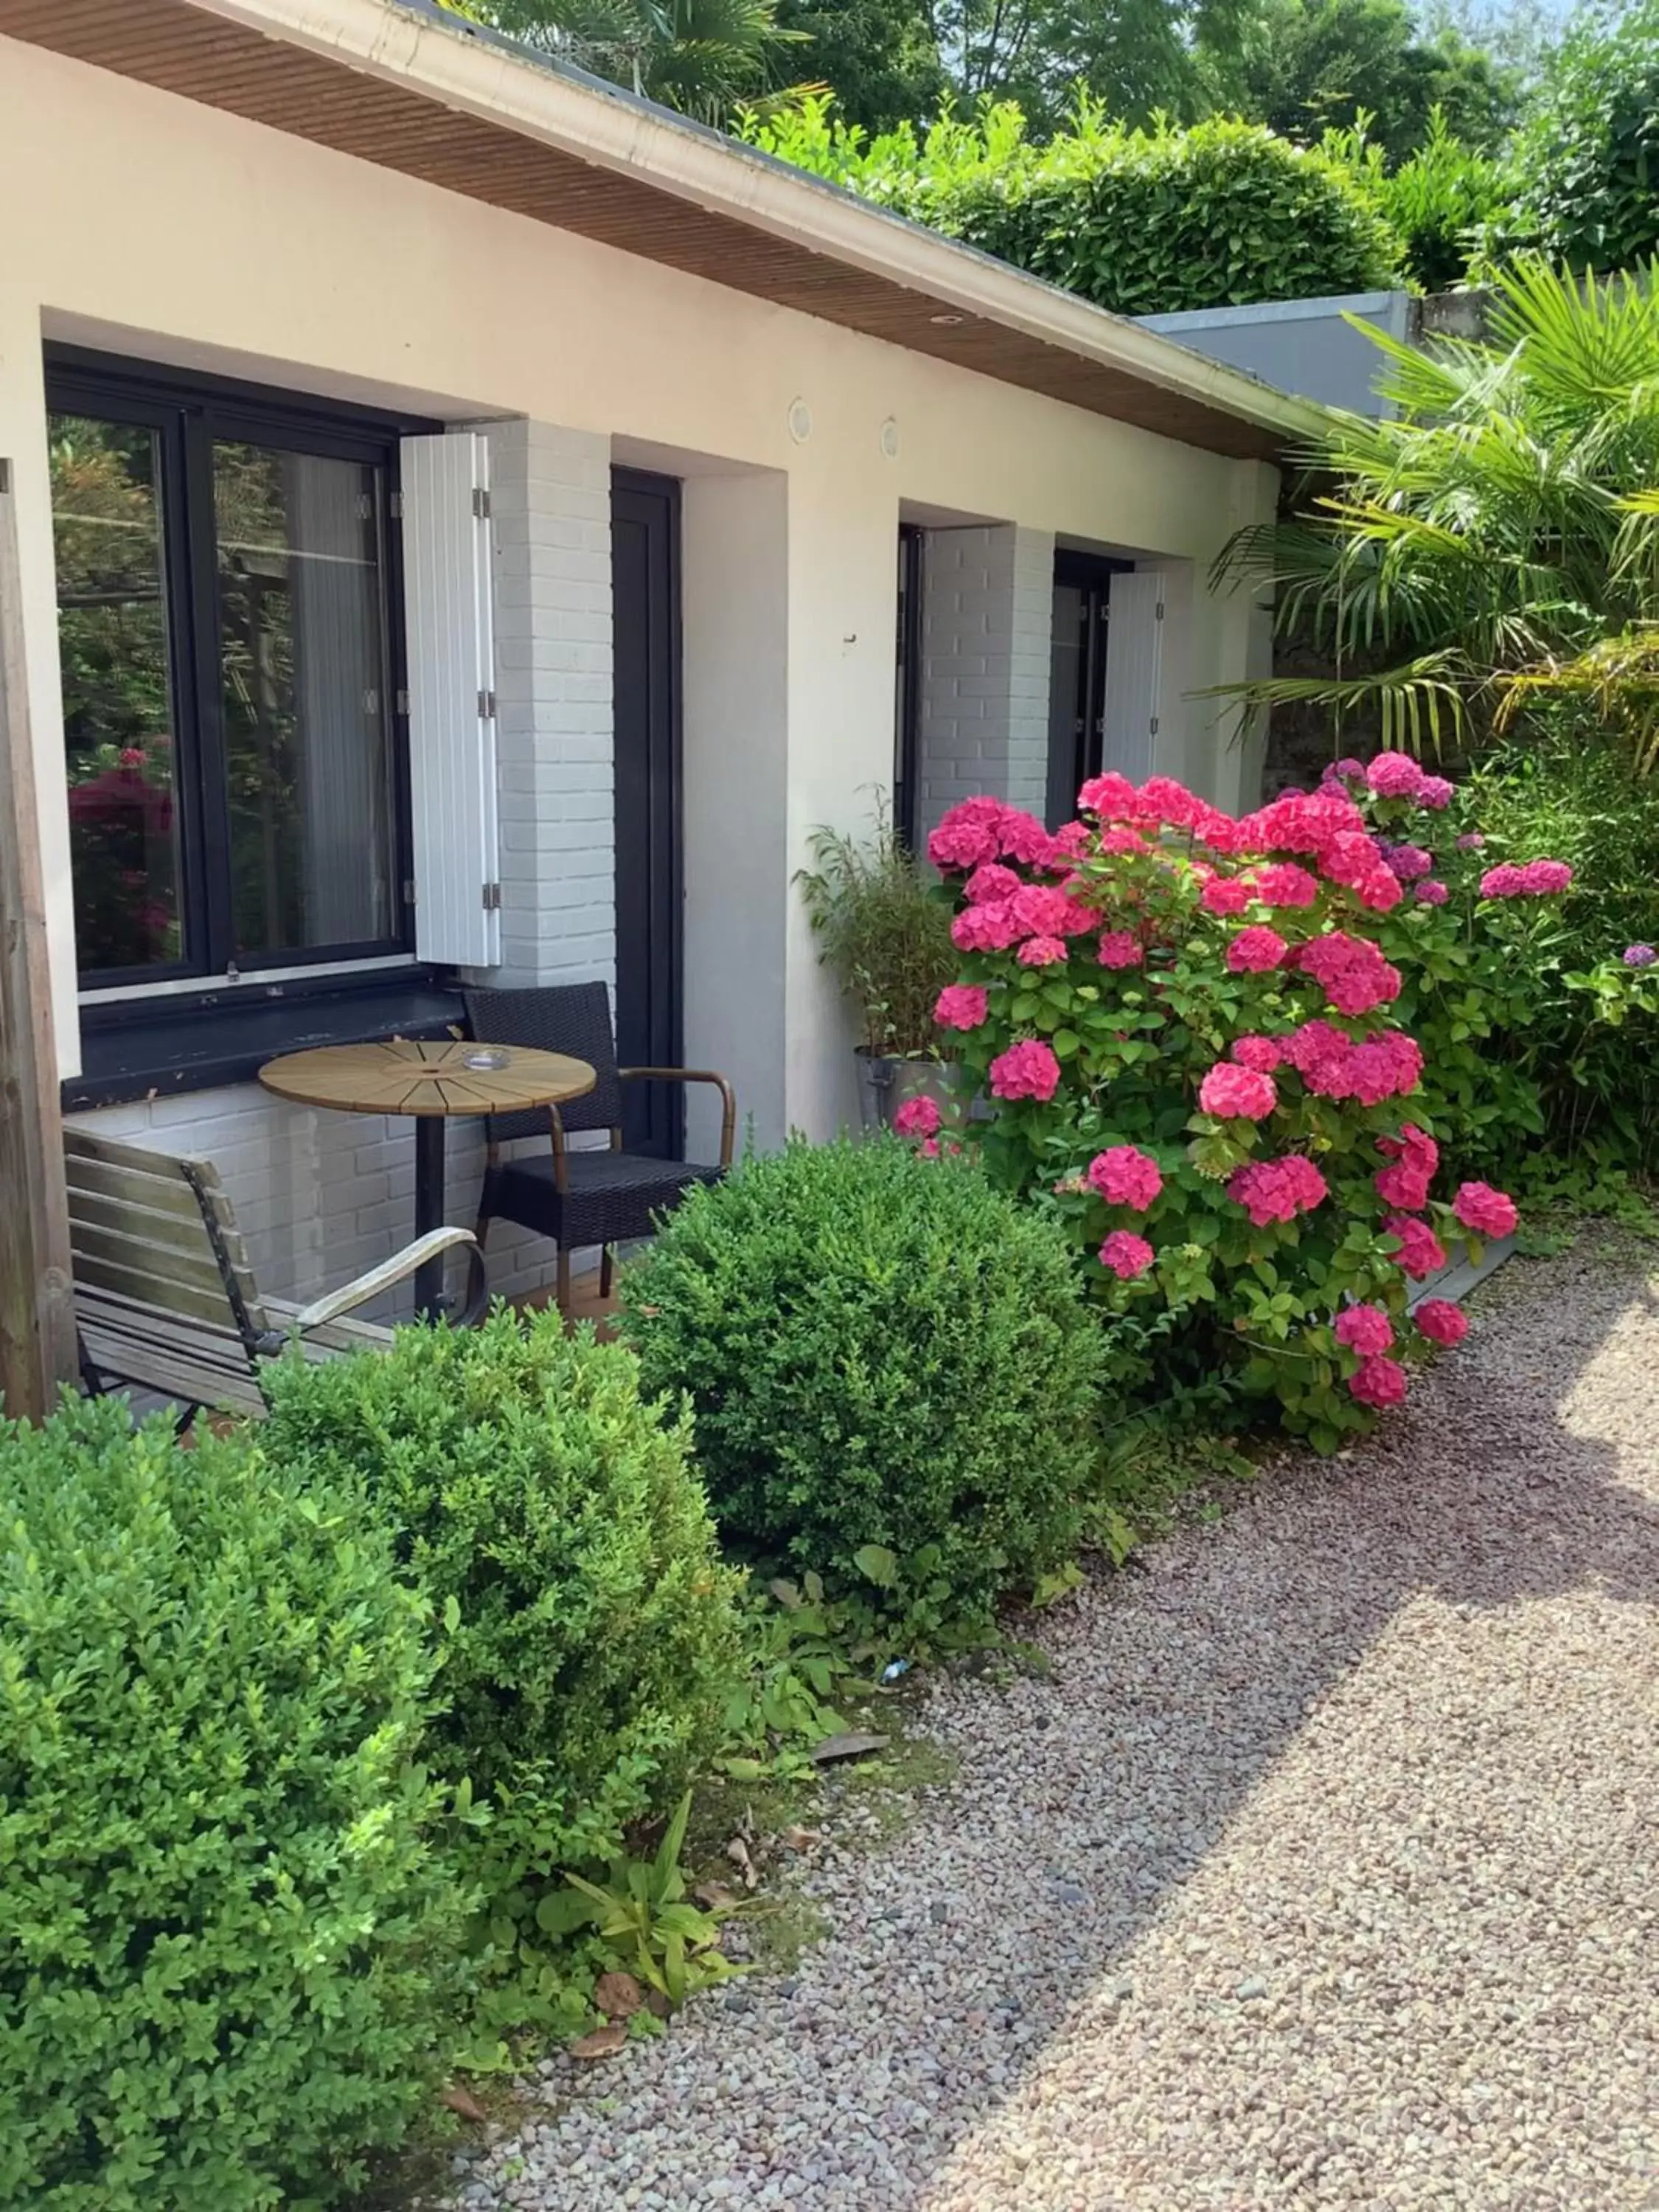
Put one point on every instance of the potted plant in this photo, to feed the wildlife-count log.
(884, 925)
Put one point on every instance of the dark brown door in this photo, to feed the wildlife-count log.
(644, 532)
(1077, 675)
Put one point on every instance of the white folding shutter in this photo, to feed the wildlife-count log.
(452, 699)
(1134, 668)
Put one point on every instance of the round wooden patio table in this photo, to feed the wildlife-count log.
(430, 1081)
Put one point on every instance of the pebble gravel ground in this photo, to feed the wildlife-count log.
(1323, 1871)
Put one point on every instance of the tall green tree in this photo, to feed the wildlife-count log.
(879, 58)
(1138, 58)
(1306, 66)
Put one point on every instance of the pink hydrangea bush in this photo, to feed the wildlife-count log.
(1193, 1032)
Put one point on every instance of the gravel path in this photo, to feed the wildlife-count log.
(1324, 1871)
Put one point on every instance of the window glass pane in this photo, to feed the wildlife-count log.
(303, 664)
(118, 692)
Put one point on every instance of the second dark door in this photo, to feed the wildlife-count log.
(1076, 685)
(645, 530)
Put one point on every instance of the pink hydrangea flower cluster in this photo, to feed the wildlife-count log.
(1255, 950)
(968, 834)
(1326, 825)
(962, 1006)
(1397, 776)
(1235, 1093)
(1408, 862)
(1282, 882)
(1225, 894)
(1066, 847)
(1488, 1213)
(1441, 1322)
(1352, 973)
(1277, 1190)
(1415, 1156)
(1532, 879)
(1026, 1070)
(1394, 775)
(1121, 948)
(1160, 803)
(1332, 1064)
(1366, 1329)
(1041, 910)
(1028, 897)
(1421, 1253)
(918, 1117)
(1125, 1256)
(990, 881)
(1378, 1382)
(1125, 1176)
(1265, 1054)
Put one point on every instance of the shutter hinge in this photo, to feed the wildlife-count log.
(1157, 611)
(409, 890)
(402, 702)
(492, 898)
(486, 706)
(1152, 726)
(481, 503)
(397, 504)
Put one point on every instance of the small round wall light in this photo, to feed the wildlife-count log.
(800, 420)
(890, 438)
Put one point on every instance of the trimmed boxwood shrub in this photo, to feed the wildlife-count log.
(225, 1949)
(880, 1350)
(555, 1522)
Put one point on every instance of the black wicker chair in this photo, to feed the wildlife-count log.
(575, 1196)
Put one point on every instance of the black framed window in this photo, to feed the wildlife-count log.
(230, 653)
(907, 713)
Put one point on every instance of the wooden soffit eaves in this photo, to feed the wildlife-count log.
(399, 125)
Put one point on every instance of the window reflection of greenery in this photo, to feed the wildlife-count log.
(118, 703)
(265, 740)
(118, 711)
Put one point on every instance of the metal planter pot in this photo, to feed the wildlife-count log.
(884, 1083)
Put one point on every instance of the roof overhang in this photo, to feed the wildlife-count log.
(416, 89)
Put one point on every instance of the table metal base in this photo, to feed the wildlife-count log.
(429, 1212)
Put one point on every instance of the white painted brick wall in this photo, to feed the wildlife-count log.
(322, 1197)
(986, 622)
(551, 498)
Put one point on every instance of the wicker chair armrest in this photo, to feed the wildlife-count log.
(363, 1287)
(728, 1097)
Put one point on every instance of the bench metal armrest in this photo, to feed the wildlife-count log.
(394, 1270)
(728, 1097)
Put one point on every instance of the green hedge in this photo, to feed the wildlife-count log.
(879, 1350)
(1152, 222)
(1141, 221)
(225, 1950)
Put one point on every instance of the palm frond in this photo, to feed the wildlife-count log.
(1618, 676)
(1418, 706)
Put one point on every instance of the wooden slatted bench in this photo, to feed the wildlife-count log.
(165, 1296)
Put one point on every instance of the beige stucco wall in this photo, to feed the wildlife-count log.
(141, 222)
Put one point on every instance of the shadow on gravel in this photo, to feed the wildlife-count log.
(1085, 1801)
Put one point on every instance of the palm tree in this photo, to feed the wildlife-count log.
(705, 58)
(1492, 539)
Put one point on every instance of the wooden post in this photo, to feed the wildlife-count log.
(37, 1310)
